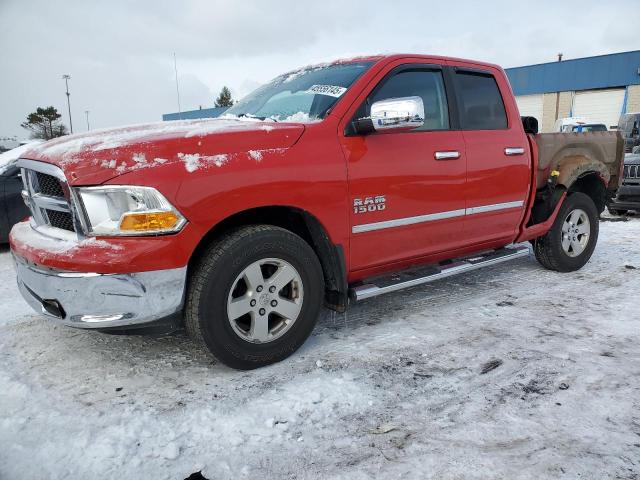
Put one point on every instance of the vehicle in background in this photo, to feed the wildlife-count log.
(629, 126)
(12, 207)
(628, 195)
(566, 125)
(589, 127)
(329, 185)
(578, 125)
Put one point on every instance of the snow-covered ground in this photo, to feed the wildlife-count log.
(394, 389)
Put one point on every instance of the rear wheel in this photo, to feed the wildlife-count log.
(570, 242)
(255, 296)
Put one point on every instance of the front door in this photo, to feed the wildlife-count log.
(406, 188)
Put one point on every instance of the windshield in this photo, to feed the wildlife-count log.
(302, 95)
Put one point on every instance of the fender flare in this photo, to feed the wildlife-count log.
(575, 166)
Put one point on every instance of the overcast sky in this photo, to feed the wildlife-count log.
(120, 54)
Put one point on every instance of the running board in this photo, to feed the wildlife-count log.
(418, 276)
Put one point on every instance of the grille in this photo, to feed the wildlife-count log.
(631, 171)
(62, 220)
(44, 193)
(49, 185)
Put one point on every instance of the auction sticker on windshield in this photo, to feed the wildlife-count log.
(331, 90)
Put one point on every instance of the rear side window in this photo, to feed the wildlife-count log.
(427, 84)
(479, 101)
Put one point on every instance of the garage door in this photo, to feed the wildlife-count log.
(531, 106)
(599, 106)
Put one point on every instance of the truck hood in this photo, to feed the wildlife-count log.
(96, 157)
(632, 159)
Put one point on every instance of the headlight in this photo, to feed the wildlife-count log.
(128, 210)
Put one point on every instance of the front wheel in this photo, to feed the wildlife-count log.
(570, 242)
(254, 297)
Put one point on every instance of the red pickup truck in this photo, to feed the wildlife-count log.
(330, 184)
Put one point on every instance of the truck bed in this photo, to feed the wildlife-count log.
(571, 153)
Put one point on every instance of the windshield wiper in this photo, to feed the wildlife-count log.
(249, 115)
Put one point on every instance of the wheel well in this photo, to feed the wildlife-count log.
(306, 226)
(591, 184)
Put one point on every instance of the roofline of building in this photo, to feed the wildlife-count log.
(573, 59)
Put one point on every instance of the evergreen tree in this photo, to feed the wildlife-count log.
(224, 99)
(45, 123)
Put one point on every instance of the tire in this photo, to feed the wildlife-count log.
(614, 211)
(237, 273)
(549, 249)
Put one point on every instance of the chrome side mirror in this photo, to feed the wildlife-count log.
(402, 113)
(397, 113)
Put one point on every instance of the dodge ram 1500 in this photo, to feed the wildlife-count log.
(328, 185)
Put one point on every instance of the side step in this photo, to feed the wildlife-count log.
(418, 276)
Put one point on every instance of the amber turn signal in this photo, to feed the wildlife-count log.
(145, 222)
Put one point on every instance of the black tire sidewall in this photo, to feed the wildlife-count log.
(215, 327)
(565, 262)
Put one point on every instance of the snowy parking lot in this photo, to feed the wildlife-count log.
(508, 372)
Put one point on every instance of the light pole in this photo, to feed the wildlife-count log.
(175, 67)
(86, 112)
(66, 78)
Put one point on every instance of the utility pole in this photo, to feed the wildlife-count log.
(175, 67)
(66, 78)
(86, 112)
(558, 93)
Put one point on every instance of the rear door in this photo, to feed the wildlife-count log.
(407, 200)
(498, 158)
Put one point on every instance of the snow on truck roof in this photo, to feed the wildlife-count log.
(390, 56)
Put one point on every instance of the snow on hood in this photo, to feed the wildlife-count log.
(97, 156)
(17, 152)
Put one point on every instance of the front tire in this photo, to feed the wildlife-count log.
(254, 297)
(570, 242)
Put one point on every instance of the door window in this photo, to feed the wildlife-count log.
(479, 101)
(427, 84)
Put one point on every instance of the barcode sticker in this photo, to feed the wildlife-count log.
(330, 90)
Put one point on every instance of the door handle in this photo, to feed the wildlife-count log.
(447, 155)
(514, 151)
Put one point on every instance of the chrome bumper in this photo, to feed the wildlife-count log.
(94, 300)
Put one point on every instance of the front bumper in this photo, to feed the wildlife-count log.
(627, 198)
(103, 301)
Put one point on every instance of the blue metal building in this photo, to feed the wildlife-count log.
(597, 88)
(191, 114)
